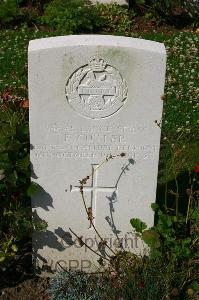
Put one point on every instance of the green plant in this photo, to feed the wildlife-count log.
(29, 15)
(165, 7)
(192, 10)
(151, 281)
(76, 285)
(9, 10)
(173, 241)
(36, 4)
(116, 18)
(135, 3)
(15, 187)
(71, 17)
(179, 12)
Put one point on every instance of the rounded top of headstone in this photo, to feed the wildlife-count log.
(91, 39)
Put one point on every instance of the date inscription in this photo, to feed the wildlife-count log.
(94, 142)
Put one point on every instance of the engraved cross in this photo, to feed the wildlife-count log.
(94, 188)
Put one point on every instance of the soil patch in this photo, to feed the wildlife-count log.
(18, 281)
(30, 289)
(144, 25)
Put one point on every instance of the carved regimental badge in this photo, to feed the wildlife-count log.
(96, 90)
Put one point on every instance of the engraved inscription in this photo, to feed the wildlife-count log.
(68, 141)
(147, 152)
(96, 90)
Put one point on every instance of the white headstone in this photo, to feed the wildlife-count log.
(121, 2)
(92, 96)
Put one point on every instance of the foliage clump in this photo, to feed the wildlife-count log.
(76, 285)
(16, 12)
(15, 188)
(116, 18)
(69, 16)
(173, 247)
(9, 11)
(178, 13)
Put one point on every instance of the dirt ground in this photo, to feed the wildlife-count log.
(30, 289)
(19, 282)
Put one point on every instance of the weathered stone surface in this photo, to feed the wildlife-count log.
(122, 2)
(91, 97)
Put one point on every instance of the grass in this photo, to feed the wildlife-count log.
(180, 117)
